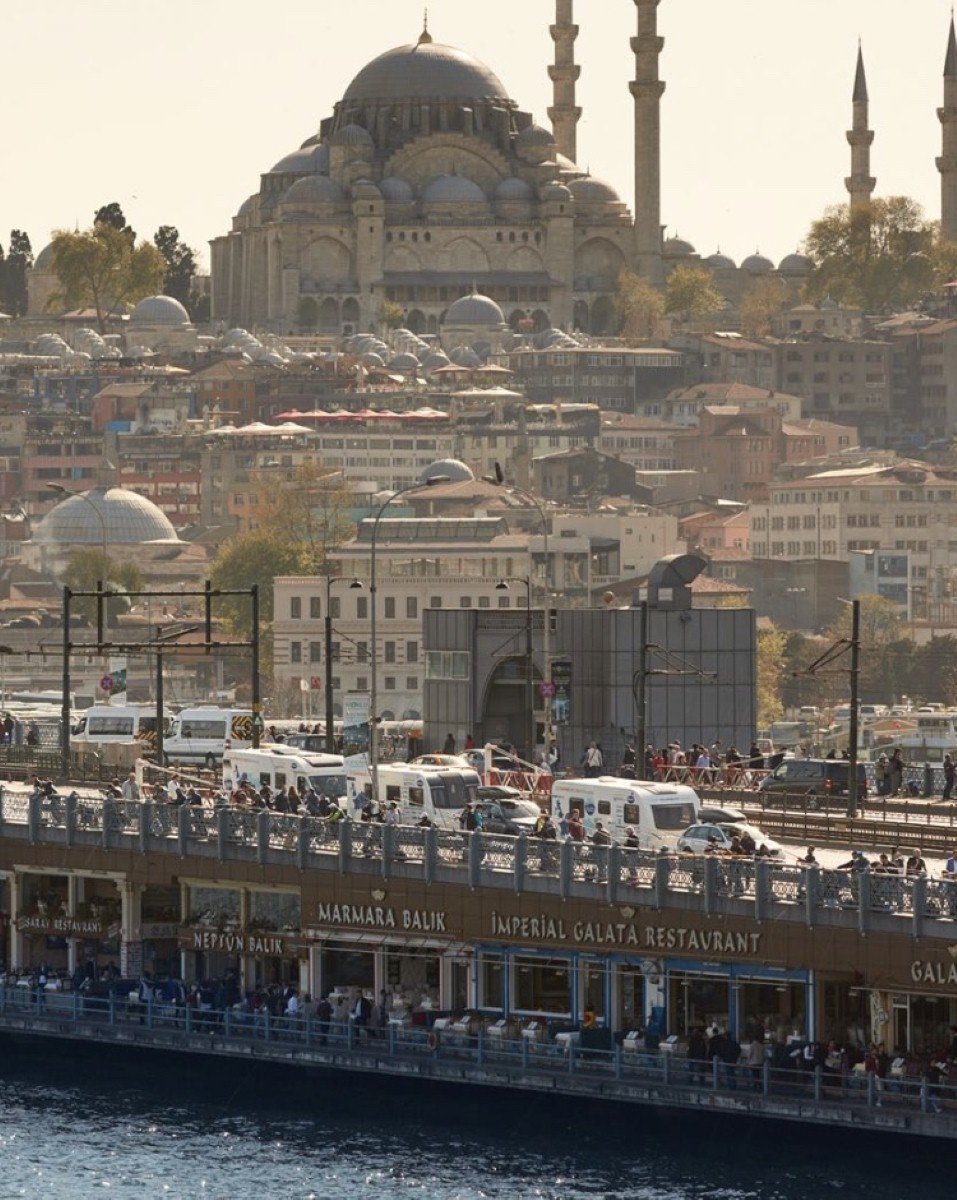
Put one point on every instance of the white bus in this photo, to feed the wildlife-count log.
(109, 724)
(279, 766)
(659, 813)
(203, 734)
(439, 793)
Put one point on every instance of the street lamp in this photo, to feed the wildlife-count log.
(502, 586)
(373, 693)
(330, 580)
(498, 478)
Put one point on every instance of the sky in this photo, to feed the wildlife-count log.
(174, 109)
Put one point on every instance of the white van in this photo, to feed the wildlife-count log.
(439, 793)
(109, 724)
(278, 766)
(203, 734)
(658, 812)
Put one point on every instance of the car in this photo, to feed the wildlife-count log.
(500, 760)
(443, 760)
(815, 779)
(711, 813)
(508, 816)
(696, 838)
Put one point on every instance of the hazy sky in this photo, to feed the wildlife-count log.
(174, 109)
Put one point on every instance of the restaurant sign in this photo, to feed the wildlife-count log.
(67, 927)
(216, 941)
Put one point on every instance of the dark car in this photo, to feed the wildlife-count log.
(814, 780)
(507, 814)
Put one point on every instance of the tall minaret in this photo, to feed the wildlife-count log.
(647, 90)
(860, 183)
(947, 163)
(563, 114)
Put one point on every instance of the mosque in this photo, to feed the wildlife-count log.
(428, 182)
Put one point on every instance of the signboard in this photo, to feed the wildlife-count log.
(562, 695)
(355, 709)
(546, 689)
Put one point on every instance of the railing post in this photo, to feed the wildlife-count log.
(812, 892)
(762, 889)
(524, 1053)
(818, 1080)
(227, 1022)
(147, 816)
(520, 862)
(392, 1029)
(34, 817)
(430, 846)
(262, 837)
(69, 809)
(107, 817)
(388, 850)
(476, 852)
(710, 883)
(666, 1068)
(863, 899)
(565, 867)
(918, 901)
(618, 1057)
(662, 878)
(344, 829)
(571, 1057)
(3, 814)
(766, 1076)
(112, 1009)
(480, 1047)
(715, 1068)
(182, 829)
(613, 865)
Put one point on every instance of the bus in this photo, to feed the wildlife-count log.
(203, 734)
(278, 766)
(110, 724)
(437, 793)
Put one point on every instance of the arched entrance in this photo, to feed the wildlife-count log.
(505, 705)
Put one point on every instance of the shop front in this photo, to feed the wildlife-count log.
(67, 925)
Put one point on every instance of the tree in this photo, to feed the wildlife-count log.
(881, 625)
(879, 256)
(180, 264)
(391, 314)
(90, 566)
(13, 274)
(112, 215)
(763, 300)
(640, 305)
(690, 292)
(103, 269)
(311, 507)
(771, 647)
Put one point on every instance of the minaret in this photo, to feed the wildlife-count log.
(947, 163)
(563, 114)
(860, 183)
(647, 90)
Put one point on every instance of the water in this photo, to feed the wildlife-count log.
(194, 1131)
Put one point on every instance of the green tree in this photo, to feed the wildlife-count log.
(87, 568)
(311, 507)
(690, 292)
(771, 647)
(760, 304)
(103, 269)
(112, 215)
(878, 256)
(640, 306)
(13, 274)
(180, 263)
(391, 314)
(881, 626)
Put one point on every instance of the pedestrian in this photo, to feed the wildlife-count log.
(449, 747)
(593, 761)
(950, 774)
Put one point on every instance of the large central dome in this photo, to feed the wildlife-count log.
(425, 71)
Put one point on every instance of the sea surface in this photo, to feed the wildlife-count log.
(87, 1129)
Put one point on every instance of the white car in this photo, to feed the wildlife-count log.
(696, 838)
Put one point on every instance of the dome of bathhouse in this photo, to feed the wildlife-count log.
(474, 310)
(795, 262)
(593, 191)
(125, 519)
(313, 189)
(427, 71)
(457, 471)
(396, 190)
(434, 361)
(720, 262)
(757, 262)
(676, 247)
(351, 135)
(159, 310)
(453, 189)
(371, 359)
(465, 356)
(404, 362)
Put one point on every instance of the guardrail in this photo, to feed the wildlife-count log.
(755, 888)
(477, 1048)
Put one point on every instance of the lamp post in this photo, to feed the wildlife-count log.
(373, 690)
(330, 580)
(498, 478)
(502, 585)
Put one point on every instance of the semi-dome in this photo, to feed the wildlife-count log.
(757, 262)
(396, 190)
(247, 206)
(456, 470)
(474, 310)
(589, 190)
(453, 189)
(513, 189)
(314, 189)
(427, 71)
(304, 161)
(535, 135)
(159, 310)
(351, 135)
(112, 515)
(720, 262)
(795, 262)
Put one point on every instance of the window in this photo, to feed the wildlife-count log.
(315, 608)
(390, 607)
(295, 607)
(435, 602)
(412, 607)
(315, 652)
(362, 652)
(388, 652)
(465, 601)
(362, 683)
(295, 652)
(362, 608)
(447, 664)
(411, 652)
(411, 683)
(390, 683)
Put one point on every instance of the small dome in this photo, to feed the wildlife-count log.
(514, 188)
(535, 135)
(720, 262)
(314, 189)
(351, 135)
(44, 260)
(435, 360)
(465, 356)
(396, 190)
(593, 191)
(795, 262)
(676, 247)
(457, 471)
(403, 362)
(555, 191)
(159, 310)
(757, 262)
(474, 310)
(453, 189)
(365, 189)
(307, 160)
(111, 514)
(371, 359)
